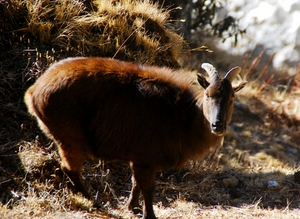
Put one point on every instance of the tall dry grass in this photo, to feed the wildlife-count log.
(127, 30)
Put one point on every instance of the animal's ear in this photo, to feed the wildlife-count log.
(232, 73)
(202, 81)
(239, 87)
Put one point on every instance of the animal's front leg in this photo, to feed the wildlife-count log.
(144, 180)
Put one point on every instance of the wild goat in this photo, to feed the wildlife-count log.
(153, 118)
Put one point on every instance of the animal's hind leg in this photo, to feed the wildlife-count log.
(133, 202)
(72, 158)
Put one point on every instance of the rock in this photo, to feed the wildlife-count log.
(292, 150)
(270, 24)
(273, 184)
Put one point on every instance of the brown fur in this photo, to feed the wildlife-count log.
(150, 117)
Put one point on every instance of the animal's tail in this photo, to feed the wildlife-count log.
(30, 103)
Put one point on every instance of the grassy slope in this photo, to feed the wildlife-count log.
(261, 146)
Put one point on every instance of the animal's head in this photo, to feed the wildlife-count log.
(218, 97)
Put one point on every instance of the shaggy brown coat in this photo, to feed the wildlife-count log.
(147, 116)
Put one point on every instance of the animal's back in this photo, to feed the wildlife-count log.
(118, 111)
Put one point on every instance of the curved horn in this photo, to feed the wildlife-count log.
(211, 71)
(232, 73)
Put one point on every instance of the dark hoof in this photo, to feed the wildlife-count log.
(97, 205)
(135, 209)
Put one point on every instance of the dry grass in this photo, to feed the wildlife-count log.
(102, 31)
(261, 147)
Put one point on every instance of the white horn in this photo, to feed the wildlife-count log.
(211, 71)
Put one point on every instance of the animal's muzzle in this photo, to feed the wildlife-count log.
(218, 128)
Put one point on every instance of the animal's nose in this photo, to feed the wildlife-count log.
(217, 127)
